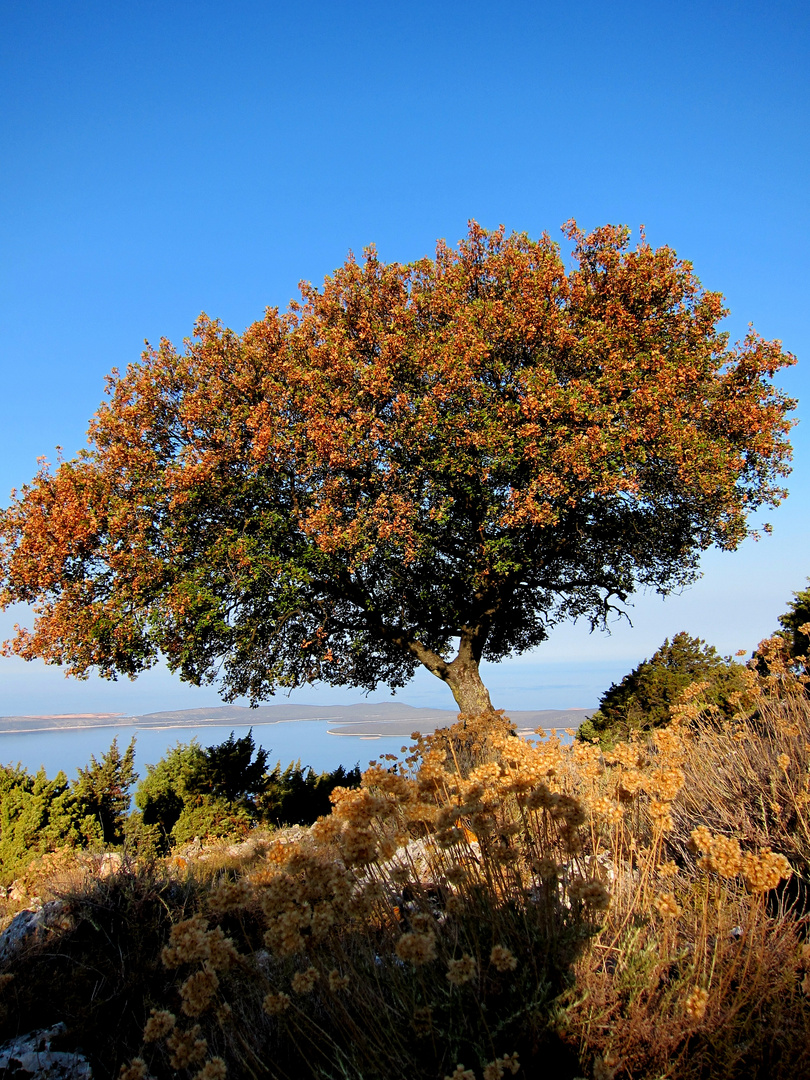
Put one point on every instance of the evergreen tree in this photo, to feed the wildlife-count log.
(102, 790)
(643, 699)
(794, 624)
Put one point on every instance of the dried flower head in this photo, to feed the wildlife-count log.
(502, 959)
(136, 1070)
(338, 982)
(457, 875)
(496, 1068)
(590, 892)
(695, 1003)
(460, 1073)
(422, 1020)
(416, 949)
(604, 1068)
(667, 906)
(764, 870)
(510, 1062)
(461, 971)
(222, 952)
(198, 991)
(274, 1004)
(783, 761)
(187, 1047)
(188, 942)
(215, 1069)
(159, 1025)
(700, 839)
(303, 982)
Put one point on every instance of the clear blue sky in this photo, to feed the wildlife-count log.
(162, 159)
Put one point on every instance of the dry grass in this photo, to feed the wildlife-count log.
(489, 906)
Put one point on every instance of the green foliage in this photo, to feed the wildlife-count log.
(299, 797)
(38, 815)
(102, 790)
(224, 790)
(796, 617)
(644, 698)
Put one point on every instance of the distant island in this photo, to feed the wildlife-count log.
(363, 719)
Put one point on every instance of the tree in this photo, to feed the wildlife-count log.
(101, 791)
(644, 698)
(38, 815)
(424, 464)
(795, 625)
(198, 792)
(299, 796)
(223, 789)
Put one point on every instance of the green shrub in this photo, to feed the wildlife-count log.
(299, 797)
(643, 699)
(38, 815)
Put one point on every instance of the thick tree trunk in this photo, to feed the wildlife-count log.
(464, 679)
(462, 674)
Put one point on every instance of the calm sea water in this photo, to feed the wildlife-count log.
(307, 740)
(285, 742)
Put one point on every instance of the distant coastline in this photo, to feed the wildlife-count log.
(363, 720)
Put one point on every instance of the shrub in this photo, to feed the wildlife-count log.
(38, 815)
(644, 699)
(297, 796)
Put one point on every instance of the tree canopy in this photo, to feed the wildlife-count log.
(415, 464)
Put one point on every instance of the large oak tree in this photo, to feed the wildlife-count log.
(416, 464)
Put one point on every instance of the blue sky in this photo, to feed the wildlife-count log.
(162, 159)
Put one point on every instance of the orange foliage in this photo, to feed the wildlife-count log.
(467, 448)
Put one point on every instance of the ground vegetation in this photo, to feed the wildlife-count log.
(481, 906)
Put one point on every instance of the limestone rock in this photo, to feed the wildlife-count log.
(29, 1057)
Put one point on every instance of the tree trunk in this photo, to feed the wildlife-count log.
(464, 679)
(462, 674)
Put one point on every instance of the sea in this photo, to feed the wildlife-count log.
(307, 741)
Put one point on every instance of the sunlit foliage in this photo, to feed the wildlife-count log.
(413, 461)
